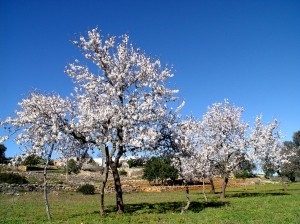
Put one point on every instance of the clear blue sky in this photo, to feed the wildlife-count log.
(246, 51)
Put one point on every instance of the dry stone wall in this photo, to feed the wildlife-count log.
(57, 182)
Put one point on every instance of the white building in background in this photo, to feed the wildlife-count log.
(100, 161)
(123, 160)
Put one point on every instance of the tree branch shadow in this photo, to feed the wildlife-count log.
(255, 194)
(167, 207)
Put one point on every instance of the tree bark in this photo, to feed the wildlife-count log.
(67, 170)
(203, 189)
(222, 196)
(118, 187)
(211, 181)
(187, 198)
(282, 182)
(105, 173)
(45, 183)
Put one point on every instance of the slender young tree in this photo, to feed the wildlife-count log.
(37, 127)
(184, 141)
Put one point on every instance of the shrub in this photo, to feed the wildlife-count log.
(123, 172)
(135, 162)
(12, 178)
(86, 189)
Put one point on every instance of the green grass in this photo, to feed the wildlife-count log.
(261, 205)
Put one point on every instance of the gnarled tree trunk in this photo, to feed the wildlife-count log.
(67, 170)
(281, 180)
(211, 181)
(187, 198)
(104, 181)
(224, 185)
(203, 189)
(118, 187)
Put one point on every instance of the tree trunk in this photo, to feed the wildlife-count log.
(105, 173)
(118, 187)
(203, 189)
(222, 196)
(211, 181)
(282, 182)
(187, 198)
(45, 183)
(67, 170)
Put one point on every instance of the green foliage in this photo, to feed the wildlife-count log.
(123, 172)
(135, 162)
(158, 168)
(291, 170)
(72, 167)
(244, 174)
(296, 138)
(244, 170)
(12, 178)
(2, 153)
(32, 160)
(268, 169)
(86, 189)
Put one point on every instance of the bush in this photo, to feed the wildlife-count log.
(86, 189)
(123, 172)
(12, 178)
(135, 162)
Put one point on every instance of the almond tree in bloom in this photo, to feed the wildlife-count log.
(266, 146)
(118, 110)
(187, 160)
(223, 138)
(37, 125)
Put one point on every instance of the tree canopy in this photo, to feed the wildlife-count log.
(291, 169)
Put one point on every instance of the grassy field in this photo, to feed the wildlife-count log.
(262, 204)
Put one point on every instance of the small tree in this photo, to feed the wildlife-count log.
(135, 162)
(244, 171)
(267, 149)
(223, 139)
(72, 167)
(158, 168)
(32, 160)
(291, 170)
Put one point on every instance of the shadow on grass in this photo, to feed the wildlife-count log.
(156, 208)
(253, 194)
(167, 207)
